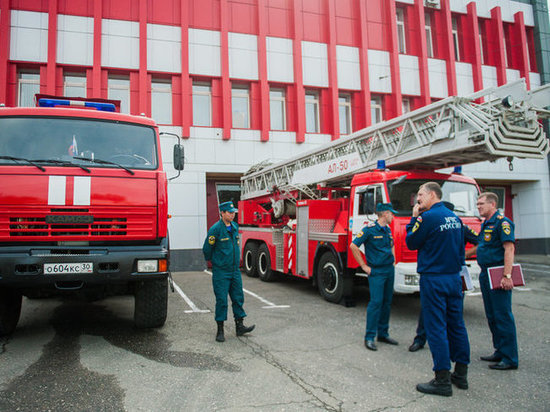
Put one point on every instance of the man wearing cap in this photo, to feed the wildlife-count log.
(496, 248)
(221, 247)
(380, 270)
(437, 234)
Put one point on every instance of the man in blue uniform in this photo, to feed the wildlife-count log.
(438, 236)
(379, 268)
(221, 247)
(470, 236)
(496, 248)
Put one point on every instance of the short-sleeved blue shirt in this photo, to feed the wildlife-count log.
(494, 232)
(378, 243)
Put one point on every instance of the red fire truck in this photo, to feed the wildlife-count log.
(83, 207)
(299, 216)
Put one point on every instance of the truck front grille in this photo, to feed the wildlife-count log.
(35, 225)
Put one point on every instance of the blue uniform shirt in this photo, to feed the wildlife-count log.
(378, 245)
(494, 232)
(438, 236)
(221, 247)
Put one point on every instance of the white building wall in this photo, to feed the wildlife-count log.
(75, 40)
(164, 48)
(243, 56)
(379, 71)
(204, 52)
(314, 64)
(410, 75)
(508, 9)
(464, 79)
(120, 44)
(29, 36)
(280, 65)
(348, 68)
(438, 78)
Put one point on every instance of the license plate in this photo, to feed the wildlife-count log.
(62, 268)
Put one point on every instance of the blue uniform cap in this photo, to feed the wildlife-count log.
(227, 207)
(381, 207)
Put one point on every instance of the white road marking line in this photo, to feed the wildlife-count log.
(189, 302)
(270, 305)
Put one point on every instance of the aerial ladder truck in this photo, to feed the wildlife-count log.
(299, 216)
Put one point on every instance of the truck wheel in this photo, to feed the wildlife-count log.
(263, 264)
(10, 310)
(330, 279)
(250, 260)
(151, 303)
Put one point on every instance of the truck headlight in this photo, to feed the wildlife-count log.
(147, 265)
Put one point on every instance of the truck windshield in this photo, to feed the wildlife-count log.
(74, 140)
(462, 195)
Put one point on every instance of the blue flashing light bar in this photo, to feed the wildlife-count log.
(105, 107)
(381, 165)
(457, 170)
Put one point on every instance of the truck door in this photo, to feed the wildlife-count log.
(364, 207)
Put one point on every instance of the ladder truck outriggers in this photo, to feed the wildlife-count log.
(298, 217)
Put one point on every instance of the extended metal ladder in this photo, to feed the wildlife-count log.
(453, 131)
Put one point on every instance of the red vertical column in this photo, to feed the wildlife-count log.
(396, 98)
(262, 71)
(298, 73)
(520, 46)
(142, 74)
(186, 85)
(226, 83)
(5, 21)
(452, 88)
(472, 26)
(52, 46)
(96, 68)
(365, 119)
(333, 69)
(498, 40)
(425, 97)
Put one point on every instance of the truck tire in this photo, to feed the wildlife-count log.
(264, 264)
(330, 279)
(151, 303)
(10, 310)
(250, 260)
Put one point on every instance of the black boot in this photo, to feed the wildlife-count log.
(460, 376)
(441, 385)
(219, 335)
(241, 329)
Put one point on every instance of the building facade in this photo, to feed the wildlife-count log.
(245, 81)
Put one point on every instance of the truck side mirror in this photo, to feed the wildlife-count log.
(179, 155)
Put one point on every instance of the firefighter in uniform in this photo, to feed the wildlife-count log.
(380, 270)
(496, 248)
(470, 236)
(221, 247)
(438, 236)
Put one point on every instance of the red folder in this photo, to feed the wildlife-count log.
(495, 276)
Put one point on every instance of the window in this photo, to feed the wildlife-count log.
(277, 109)
(344, 108)
(74, 85)
(400, 15)
(406, 105)
(429, 36)
(376, 109)
(501, 193)
(312, 112)
(456, 39)
(119, 89)
(240, 104)
(28, 85)
(228, 192)
(161, 101)
(481, 29)
(202, 104)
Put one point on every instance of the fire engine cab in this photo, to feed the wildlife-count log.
(298, 217)
(83, 206)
